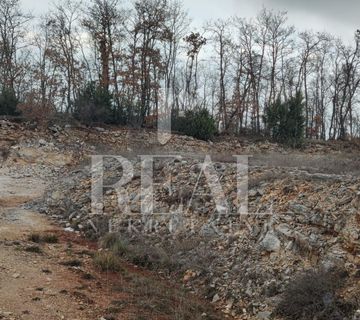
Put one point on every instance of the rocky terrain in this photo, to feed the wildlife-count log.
(303, 209)
(49, 273)
(297, 220)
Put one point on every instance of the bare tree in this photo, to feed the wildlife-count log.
(177, 23)
(43, 91)
(220, 32)
(63, 49)
(345, 86)
(278, 39)
(308, 47)
(13, 23)
(194, 42)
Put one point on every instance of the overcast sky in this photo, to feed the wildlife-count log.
(339, 17)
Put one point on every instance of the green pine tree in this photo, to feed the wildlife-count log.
(8, 102)
(285, 121)
(94, 104)
(295, 121)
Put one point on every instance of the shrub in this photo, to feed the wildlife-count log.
(113, 242)
(34, 237)
(107, 262)
(152, 258)
(93, 105)
(33, 108)
(196, 123)
(8, 102)
(314, 295)
(285, 121)
(126, 113)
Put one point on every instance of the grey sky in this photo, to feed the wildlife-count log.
(340, 18)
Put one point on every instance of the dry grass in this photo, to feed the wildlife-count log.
(113, 242)
(33, 249)
(152, 258)
(50, 238)
(46, 238)
(34, 237)
(158, 300)
(107, 262)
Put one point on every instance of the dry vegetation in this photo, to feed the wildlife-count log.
(316, 294)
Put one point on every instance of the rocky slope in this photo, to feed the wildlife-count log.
(243, 263)
(303, 211)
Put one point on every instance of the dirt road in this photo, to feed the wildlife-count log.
(33, 284)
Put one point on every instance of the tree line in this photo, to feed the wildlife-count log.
(105, 61)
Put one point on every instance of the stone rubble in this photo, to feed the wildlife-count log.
(242, 263)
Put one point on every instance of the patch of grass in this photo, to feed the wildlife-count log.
(158, 299)
(50, 238)
(107, 262)
(33, 249)
(115, 243)
(120, 248)
(47, 238)
(140, 254)
(155, 299)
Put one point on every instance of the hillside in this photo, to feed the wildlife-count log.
(303, 215)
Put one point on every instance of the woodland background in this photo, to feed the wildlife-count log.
(105, 61)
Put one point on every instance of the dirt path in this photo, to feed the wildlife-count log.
(32, 284)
